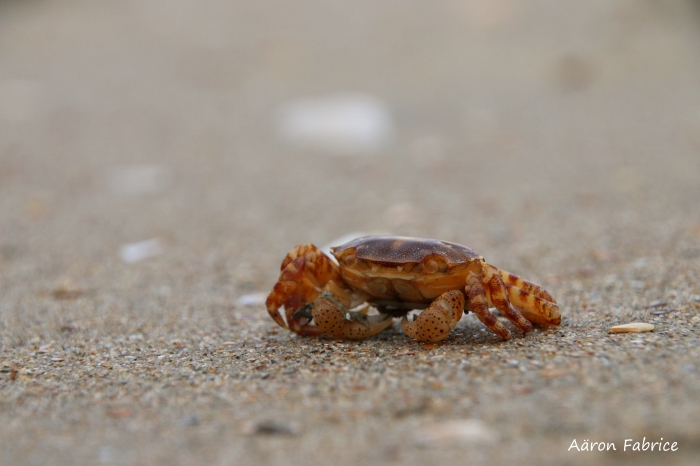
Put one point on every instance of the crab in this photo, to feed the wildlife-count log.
(396, 275)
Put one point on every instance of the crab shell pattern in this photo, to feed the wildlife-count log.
(396, 275)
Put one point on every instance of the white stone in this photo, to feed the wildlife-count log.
(135, 252)
(252, 299)
(341, 124)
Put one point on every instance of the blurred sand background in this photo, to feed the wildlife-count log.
(158, 159)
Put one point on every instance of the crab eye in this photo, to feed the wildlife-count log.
(349, 260)
(431, 266)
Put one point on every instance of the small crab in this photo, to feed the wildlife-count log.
(395, 275)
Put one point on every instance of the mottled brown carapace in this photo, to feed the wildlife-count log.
(403, 249)
(395, 275)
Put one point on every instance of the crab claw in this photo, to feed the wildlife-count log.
(437, 321)
(298, 316)
(329, 319)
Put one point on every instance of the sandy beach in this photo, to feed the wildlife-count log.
(159, 159)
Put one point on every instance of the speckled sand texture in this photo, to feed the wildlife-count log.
(148, 193)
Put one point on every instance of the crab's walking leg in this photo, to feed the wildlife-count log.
(437, 321)
(479, 305)
(330, 319)
(496, 290)
(303, 270)
(535, 309)
(528, 287)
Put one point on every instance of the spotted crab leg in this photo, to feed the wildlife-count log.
(479, 304)
(304, 269)
(437, 321)
(496, 291)
(528, 287)
(535, 303)
(535, 309)
(330, 317)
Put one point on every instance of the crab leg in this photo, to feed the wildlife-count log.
(496, 291)
(480, 306)
(534, 308)
(330, 319)
(304, 269)
(437, 321)
(528, 287)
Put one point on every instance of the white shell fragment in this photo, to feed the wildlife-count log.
(251, 299)
(635, 327)
(472, 431)
(342, 124)
(135, 252)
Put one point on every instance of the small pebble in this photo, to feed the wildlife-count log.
(635, 327)
(66, 292)
(189, 421)
(119, 412)
(70, 327)
(269, 428)
(549, 373)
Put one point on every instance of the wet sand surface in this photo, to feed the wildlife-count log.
(149, 191)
